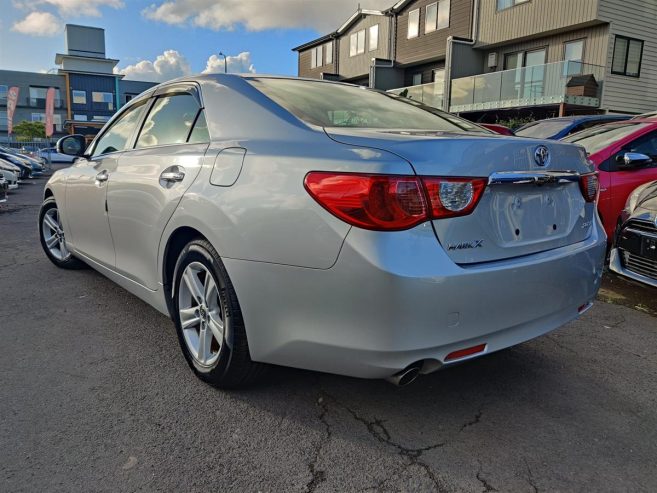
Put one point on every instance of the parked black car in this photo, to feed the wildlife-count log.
(634, 254)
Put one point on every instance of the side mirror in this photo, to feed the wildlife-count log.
(632, 160)
(72, 145)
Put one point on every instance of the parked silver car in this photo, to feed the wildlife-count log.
(326, 226)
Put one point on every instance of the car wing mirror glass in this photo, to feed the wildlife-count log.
(72, 145)
(633, 160)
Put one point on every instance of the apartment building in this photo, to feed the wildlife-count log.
(87, 91)
(486, 58)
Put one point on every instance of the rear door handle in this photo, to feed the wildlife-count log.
(172, 176)
(102, 176)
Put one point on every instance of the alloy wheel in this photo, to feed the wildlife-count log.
(201, 314)
(53, 234)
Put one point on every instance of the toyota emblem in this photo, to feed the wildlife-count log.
(542, 156)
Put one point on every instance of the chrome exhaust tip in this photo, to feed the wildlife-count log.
(406, 376)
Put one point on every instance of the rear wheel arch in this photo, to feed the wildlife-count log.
(177, 241)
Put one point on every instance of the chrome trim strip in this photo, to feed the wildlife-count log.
(533, 177)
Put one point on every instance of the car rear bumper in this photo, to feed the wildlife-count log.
(393, 299)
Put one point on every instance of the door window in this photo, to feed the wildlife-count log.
(116, 137)
(169, 121)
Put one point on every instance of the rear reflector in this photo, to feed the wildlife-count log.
(393, 202)
(589, 185)
(462, 353)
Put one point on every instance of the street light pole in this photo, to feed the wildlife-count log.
(225, 62)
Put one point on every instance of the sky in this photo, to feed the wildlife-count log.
(157, 40)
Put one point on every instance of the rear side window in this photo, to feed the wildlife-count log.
(116, 137)
(200, 131)
(169, 121)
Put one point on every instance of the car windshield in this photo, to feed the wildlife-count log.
(544, 129)
(597, 138)
(340, 105)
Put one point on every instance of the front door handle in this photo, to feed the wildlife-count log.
(102, 176)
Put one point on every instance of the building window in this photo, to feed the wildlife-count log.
(357, 43)
(417, 79)
(573, 57)
(328, 48)
(505, 4)
(437, 16)
(103, 100)
(79, 97)
(374, 37)
(41, 117)
(3, 95)
(38, 97)
(413, 24)
(3, 120)
(316, 57)
(627, 56)
(80, 118)
(100, 118)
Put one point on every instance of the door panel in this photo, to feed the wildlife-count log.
(85, 208)
(140, 204)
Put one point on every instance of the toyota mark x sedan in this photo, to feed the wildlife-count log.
(326, 226)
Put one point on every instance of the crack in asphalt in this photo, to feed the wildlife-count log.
(484, 482)
(530, 477)
(318, 476)
(477, 419)
(378, 430)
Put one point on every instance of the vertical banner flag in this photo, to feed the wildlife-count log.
(12, 99)
(50, 111)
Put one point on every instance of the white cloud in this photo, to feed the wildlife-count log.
(39, 24)
(240, 64)
(257, 15)
(72, 8)
(166, 66)
(172, 64)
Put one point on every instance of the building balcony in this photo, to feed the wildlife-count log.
(431, 94)
(567, 82)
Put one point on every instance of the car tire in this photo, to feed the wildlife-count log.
(57, 252)
(204, 313)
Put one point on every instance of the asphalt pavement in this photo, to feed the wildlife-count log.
(95, 396)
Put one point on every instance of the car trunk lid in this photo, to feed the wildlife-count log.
(526, 207)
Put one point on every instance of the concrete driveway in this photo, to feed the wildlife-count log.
(96, 396)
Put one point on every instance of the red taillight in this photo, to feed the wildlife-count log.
(462, 353)
(590, 186)
(393, 202)
(450, 197)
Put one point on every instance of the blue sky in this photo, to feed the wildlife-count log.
(262, 31)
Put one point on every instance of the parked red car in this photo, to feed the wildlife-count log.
(497, 128)
(625, 154)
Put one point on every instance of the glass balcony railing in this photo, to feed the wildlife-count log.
(552, 83)
(430, 94)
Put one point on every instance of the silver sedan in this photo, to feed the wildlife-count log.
(326, 226)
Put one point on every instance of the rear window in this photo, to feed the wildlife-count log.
(544, 129)
(597, 138)
(340, 105)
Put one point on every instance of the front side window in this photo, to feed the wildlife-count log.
(413, 24)
(79, 97)
(328, 104)
(117, 135)
(505, 4)
(169, 121)
(627, 56)
(374, 37)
